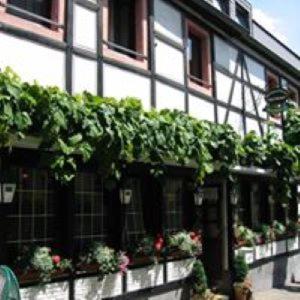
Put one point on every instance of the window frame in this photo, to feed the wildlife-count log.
(141, 34)
(205, 86)
(53, 32)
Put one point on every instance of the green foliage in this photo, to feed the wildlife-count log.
(279, 229)
(199, 279)
(244, 236)
(106, 258)
(241, 268)
(41, 259)
(115, 133)
(188, 243)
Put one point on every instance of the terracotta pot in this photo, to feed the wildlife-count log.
(142, 261)
(242, 291)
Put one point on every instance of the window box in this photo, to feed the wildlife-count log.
(88, 268)
(248, 252)
(144, 261)
(177, 270)
(130, 45)
(279, 247)
(92, 288)
(293, 243)
(33, 276)
(142, 278)
(57, 290)
(199, 59)
(263, 251)
(52, 31)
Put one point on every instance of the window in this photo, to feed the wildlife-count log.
(173, 197)
(41, 8)
(198, 55)
(222, 5)
(242, 16)
(91, 212)
(32, 215)
(44, 17)
(125, 31)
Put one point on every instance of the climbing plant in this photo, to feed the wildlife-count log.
(76, 129)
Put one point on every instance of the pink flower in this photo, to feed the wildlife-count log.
(124, 262)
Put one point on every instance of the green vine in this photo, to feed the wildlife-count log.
(76, 129)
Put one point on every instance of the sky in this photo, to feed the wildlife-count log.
(281, 18)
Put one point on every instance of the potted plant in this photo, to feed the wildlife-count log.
(279, 245)
(184, 244)
(245, 242)
(199, 281)
(41, 264)
(263, 248)
(242, 285)
(149, 250)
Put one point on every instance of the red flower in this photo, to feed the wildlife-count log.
(56, 259)
(158, 246)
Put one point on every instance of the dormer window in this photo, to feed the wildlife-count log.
(242, 16)
(223, 6)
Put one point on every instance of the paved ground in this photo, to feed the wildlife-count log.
(288, 293)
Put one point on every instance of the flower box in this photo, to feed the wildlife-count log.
(142, 278)
(293, 243)
(279, 247)
(93, 288)
(248, 253)
(180, 269)
(263, 251)
(57, 290)
(33, 276)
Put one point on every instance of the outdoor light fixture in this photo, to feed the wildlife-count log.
(198, 197)
(234, 196)
(125, 196)
(7, 192)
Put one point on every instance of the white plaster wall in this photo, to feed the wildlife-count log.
(85, 28)
(223, 85)
(260, 103)
(256, 73)
(237, 99)
(84, 75)
(226, 55)
(201, 109)
(169, 61)
(57, 291)
(120, 83)
(252, 125)
(32, 61)
(249, 101)
(168, 21)
(234, 119)
(168, 97)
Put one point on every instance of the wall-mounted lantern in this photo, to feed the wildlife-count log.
(234, 196)
(199, 197)
(125, 196)
(7, 192)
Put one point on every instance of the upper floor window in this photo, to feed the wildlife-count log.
(125, 31)
(27, 9)
(222, 5)
(198, 55)
(44, 17)
(294, 94)
(242, 16)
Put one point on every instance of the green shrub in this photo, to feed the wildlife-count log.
(241, 268)
(199, 279)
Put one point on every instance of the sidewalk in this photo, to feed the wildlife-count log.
(288, 293)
